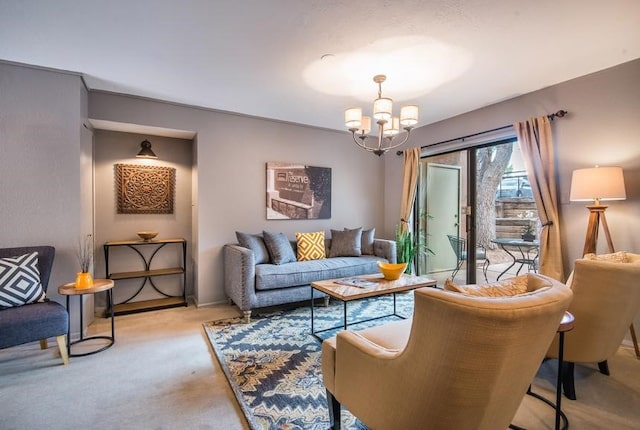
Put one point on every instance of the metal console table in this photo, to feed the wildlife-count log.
(147, 274)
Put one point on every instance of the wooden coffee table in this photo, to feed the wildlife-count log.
(379, 287)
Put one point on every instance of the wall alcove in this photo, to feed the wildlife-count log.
(113, 147)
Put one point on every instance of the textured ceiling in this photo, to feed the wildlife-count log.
(262, 57)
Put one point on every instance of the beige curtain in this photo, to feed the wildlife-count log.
(536, 144)
(409, 182)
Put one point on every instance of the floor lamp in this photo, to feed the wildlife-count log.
(598, 184)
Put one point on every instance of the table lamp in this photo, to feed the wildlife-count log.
(597, 184)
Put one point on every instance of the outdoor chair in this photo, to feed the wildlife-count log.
(40, 320)
(459, 245)
(479, 354)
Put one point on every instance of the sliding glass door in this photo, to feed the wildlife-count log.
(470, 196)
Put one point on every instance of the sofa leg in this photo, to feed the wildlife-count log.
(326, 301)
(247, 316)
(62, 346)
(43, 344)
(334, 412)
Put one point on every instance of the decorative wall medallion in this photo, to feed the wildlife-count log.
(144, 189)
(296, 191)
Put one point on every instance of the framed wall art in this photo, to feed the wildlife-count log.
(297, 191)
(144, 189)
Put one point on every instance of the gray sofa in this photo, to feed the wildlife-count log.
(250, 285)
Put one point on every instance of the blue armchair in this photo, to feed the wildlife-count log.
(35, 321)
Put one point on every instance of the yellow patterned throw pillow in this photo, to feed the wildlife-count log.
(310, 246)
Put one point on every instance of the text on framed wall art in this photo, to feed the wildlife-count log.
(298, 191)
(144, 189)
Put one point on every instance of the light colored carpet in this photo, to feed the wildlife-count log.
(162, 374)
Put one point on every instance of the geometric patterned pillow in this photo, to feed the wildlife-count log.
(20, 281)
(310, 246)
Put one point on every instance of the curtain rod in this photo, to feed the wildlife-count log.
(551, 116)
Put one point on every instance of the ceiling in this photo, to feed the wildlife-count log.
(263, 57)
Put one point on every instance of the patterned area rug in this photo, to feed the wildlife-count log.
(274, 364)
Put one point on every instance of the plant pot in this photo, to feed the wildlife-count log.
(84, 280)
(528, 237)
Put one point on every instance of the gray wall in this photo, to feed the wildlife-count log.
(120, 148)
(231, 152)
(45, 154)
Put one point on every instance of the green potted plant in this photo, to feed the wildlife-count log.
(407, 246)
(528, 232)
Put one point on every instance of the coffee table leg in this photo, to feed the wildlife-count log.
(394, 304)
(312, 331)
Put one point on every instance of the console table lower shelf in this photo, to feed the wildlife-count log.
(146, 305)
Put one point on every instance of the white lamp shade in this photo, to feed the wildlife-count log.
(597, 183)
(365, 126)
(352, 117)
(409, 115)
(382, 108)
(392, 127)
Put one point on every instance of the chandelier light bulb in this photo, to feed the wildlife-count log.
(353, 117)
(382, 108)
(392, 127)
(365, 126)
(409, 115)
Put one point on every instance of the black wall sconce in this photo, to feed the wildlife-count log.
(145, 151)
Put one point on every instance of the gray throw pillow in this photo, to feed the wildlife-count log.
(255, 243)
(366, 243)
(346, 243)
(279, 248)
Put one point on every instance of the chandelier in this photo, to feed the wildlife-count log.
(388, 125)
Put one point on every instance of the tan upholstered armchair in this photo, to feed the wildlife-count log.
(462, 362)
(606, 300)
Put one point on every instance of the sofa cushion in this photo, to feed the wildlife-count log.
(280, 250)
(270, 276)
(254, 242)
(346, 243)
(20, 281)
(310, 246)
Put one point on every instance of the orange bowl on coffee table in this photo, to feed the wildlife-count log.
(392, 271)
